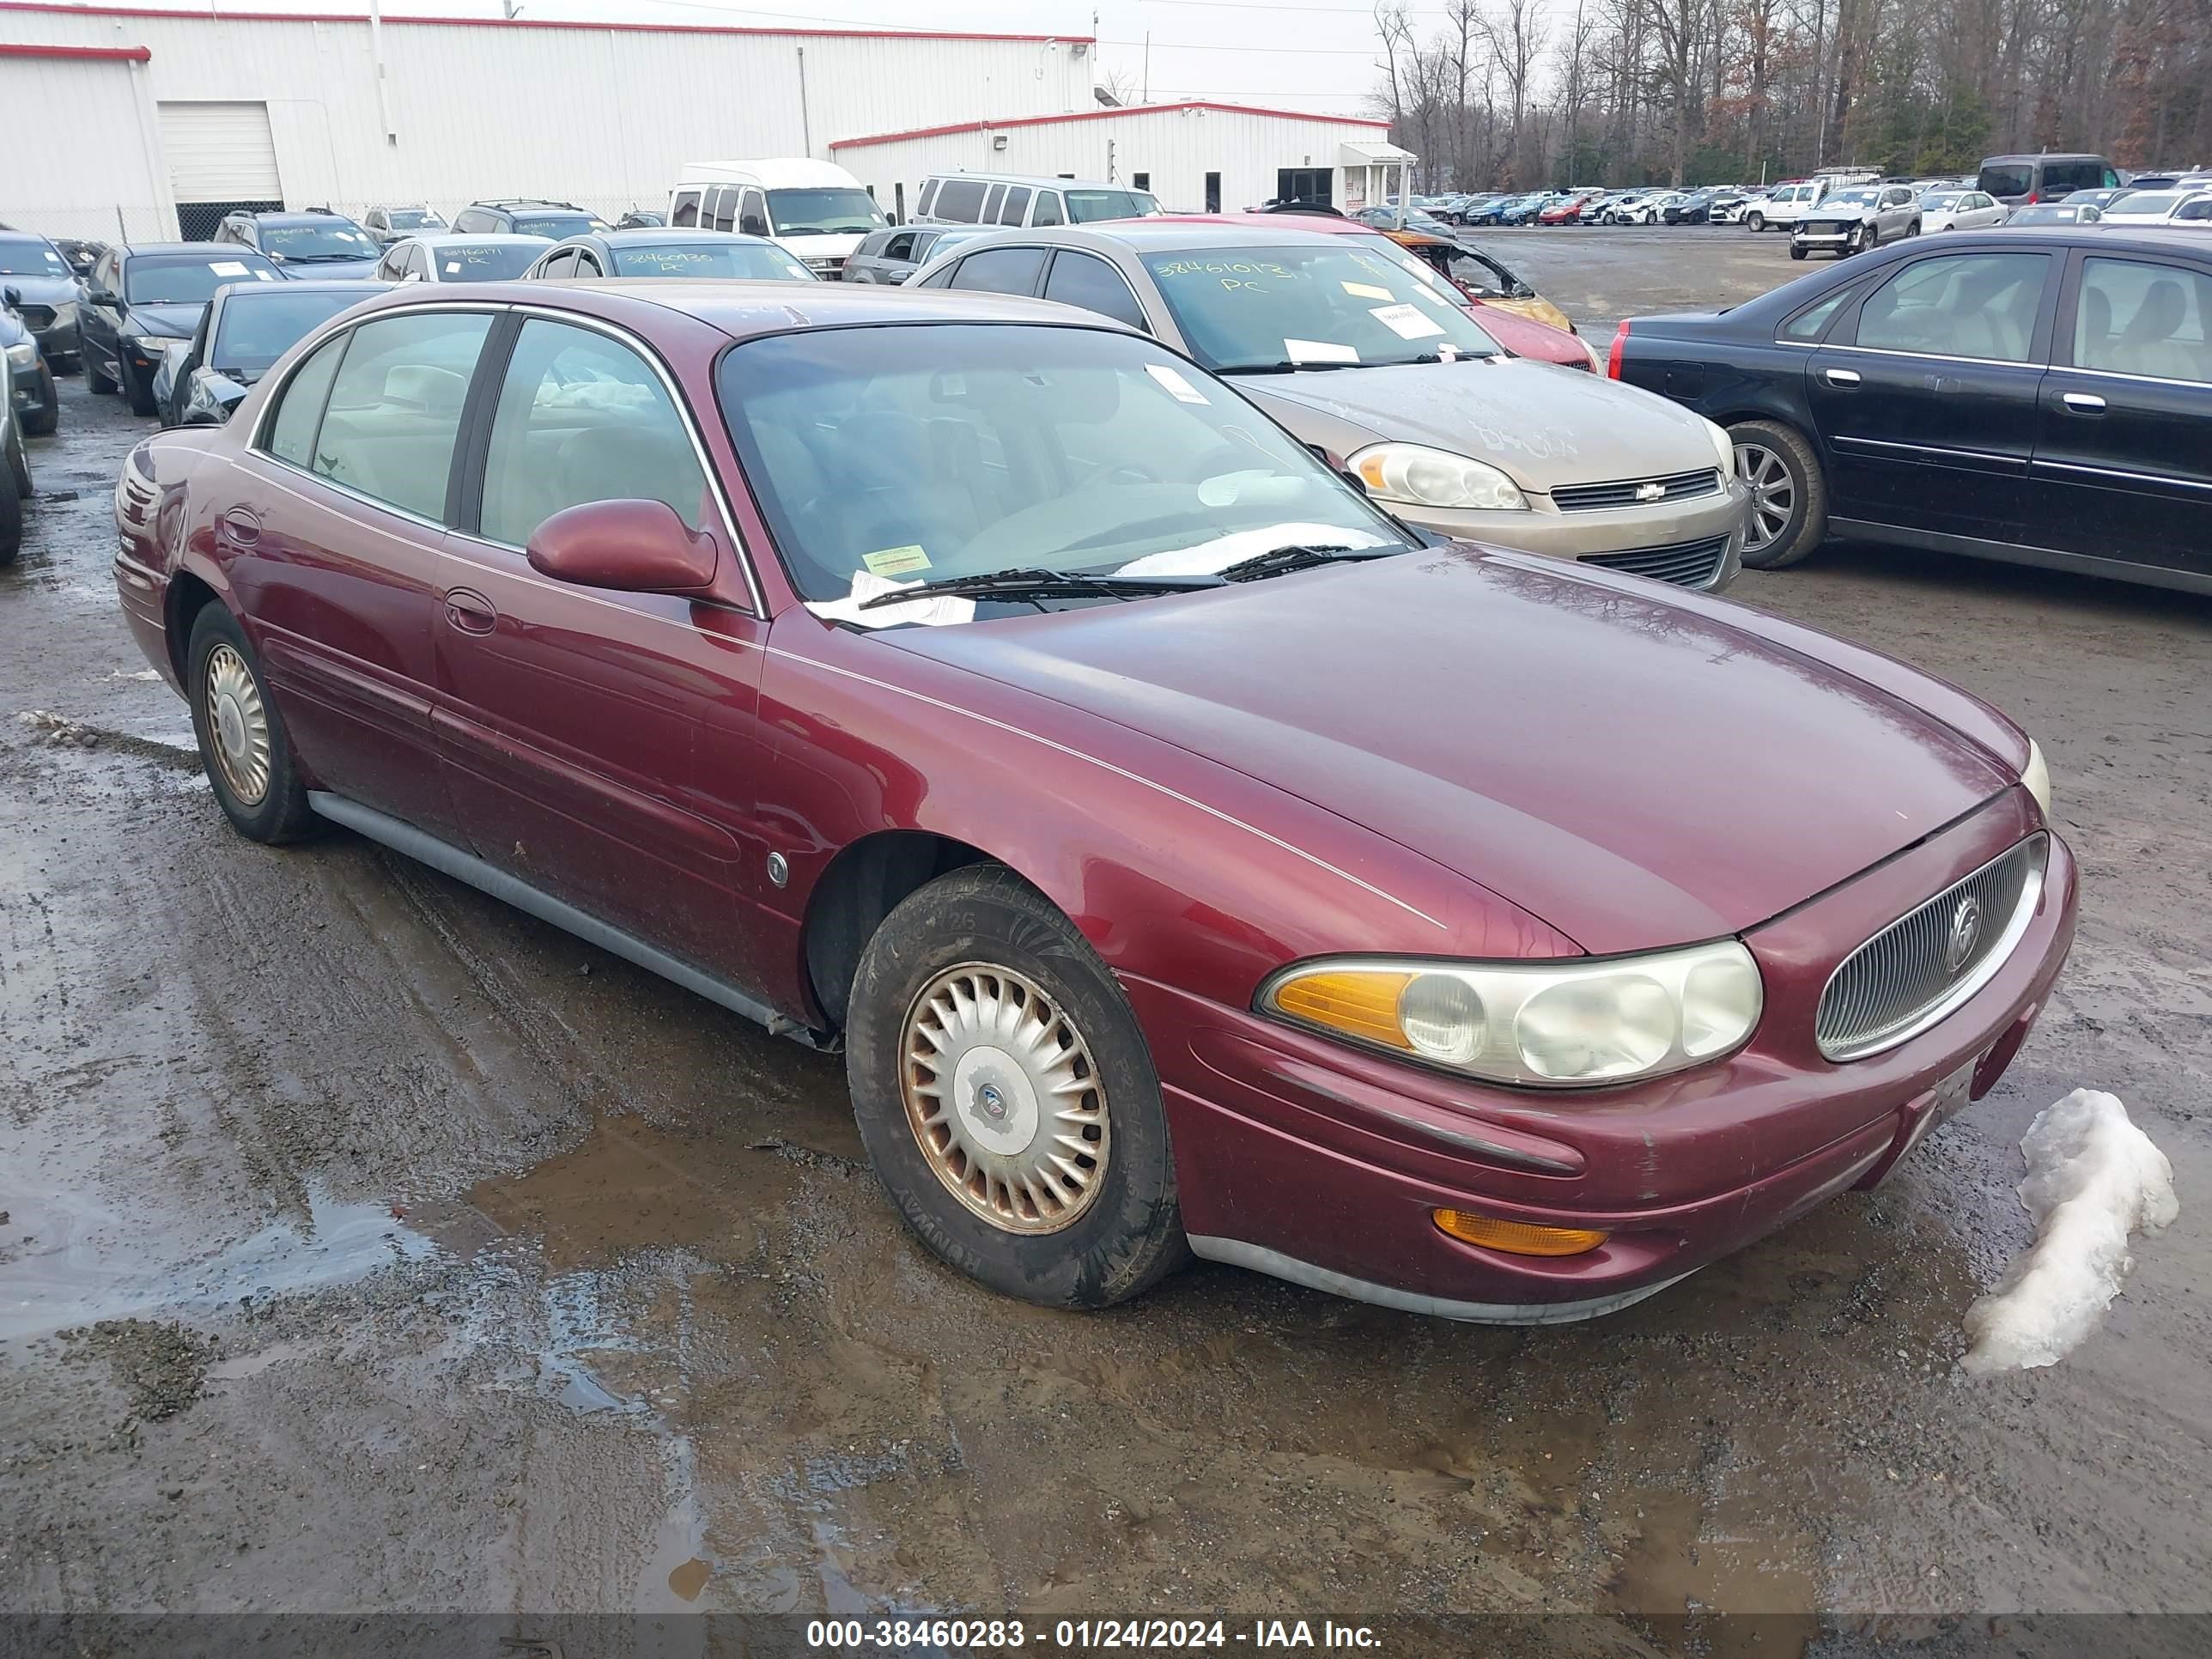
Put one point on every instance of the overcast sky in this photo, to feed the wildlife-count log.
(1303, 54)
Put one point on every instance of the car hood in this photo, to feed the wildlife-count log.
(180, 319)
(1636, 768)
(1540, 428)
(44, 290)
(326, 270)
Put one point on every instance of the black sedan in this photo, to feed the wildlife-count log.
(30, 378)
(142, 300)
(2040, 395)
(247, 327)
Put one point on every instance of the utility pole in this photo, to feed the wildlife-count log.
(1145, 96)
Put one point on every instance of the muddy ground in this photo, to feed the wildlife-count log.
(367, 1247)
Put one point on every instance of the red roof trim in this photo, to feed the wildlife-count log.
(132, 54)
(1103, 115)
(229, 16)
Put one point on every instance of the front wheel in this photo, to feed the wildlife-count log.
(96, 379)
(243, 744)
(1788, 498)
(1797, 249)
(40, 423)
(1008, 1098)
(137, 389)
(1756, 221)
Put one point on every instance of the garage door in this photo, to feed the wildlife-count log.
(220, 152)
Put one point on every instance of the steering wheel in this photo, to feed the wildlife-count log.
(1116, 472)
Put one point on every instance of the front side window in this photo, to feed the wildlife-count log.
(831, 212)
(900, 247)
(583, 419)
(752, 214)
(1277, 308)
(1001, 270)
(1048, 209)
(1085, 280)
(897, 454)
(168, 279)
(292, 434)
(928, 195)
(395, 408)
(2137, 317)
(474, 219)
(687, 210)
(2062, 176)
(1962, 304)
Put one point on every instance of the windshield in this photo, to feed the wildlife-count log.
(2054, 215)
(414, 219)
(555, 225)
(27, 256)
(2144, 204)
(2010, 179)
(1087, 207)
(888, 456)
(317, 244)
(1851, 199)
(191, 280)
(833, 211)
(484, 262)
(752, 261)
(1265, 308)
(260, 325)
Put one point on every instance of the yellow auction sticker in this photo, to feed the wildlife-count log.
(896, 561)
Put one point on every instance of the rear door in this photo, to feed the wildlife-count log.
(2123, 466)
(1924, 396)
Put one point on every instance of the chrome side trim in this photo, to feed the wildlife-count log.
(1940, 357)
(2122, 473)
(1261, 1260)
(423, 848)
(2012, 463)
(2016, 927)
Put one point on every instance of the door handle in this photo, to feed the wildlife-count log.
(2082, 403)
(1842, 376)
(238, 526)
(469, 611)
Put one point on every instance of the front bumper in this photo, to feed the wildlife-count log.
(1543, 528)
(1317, 1162)
(1823, 238)
(60, 340)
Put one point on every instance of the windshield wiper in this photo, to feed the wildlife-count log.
(1285, 366)
(1298, 555)
(1035, 584)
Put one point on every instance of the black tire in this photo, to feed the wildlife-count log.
(138, 392)
(1797, 249)
(1129, 1234)
(19, 469)
(40, 423)
(95, 379)
(1808, 521)
(12, 494)
(1756, 221)
(281, 813)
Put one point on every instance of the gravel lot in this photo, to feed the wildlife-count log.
(365, 1246)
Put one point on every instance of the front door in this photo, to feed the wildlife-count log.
(594, 742)
(334, 555)
(1302, 184)
(2123, 463)
(1924, 397)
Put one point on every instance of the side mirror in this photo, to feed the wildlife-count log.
(100, 296)
(633, 546)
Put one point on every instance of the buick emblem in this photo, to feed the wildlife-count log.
(1966, 933)
(1651, 492)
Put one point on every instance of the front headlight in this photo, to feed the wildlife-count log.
(66, 312)
(1551, 1023)
(1414, 475)
(154, 344)
(1724, 446)
(24, 354)
(2035, 776)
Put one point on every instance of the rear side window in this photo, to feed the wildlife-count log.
(470, 219)
(583, 419)
(1016, 205)
(1961, 305)
(1001, 270)
(2137, 317)
(2060, 177)
(960, 200)
(395, 409)
(1048, 209)
(687, 208)
(1809, 323)
(1083, 279)
(292, 434)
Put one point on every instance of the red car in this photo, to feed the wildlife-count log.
(1188, 857)
(1566, 211)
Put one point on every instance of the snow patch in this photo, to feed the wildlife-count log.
(2093, 1179)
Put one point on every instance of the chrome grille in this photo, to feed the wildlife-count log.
(1914, 972)
(1623, 492)
(1687, 564)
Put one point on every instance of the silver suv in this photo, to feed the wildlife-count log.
(1853, 220)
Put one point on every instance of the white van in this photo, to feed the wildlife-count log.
(1013, 198)
(816, 208)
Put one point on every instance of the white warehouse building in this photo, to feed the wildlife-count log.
(118, 118)
(1195, 157)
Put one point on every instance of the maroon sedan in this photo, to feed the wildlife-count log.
(1188, 857)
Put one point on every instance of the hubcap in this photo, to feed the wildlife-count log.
(1773, 494)
(1004, 1099)
(238, 724)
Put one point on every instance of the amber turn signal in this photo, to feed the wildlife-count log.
(1520, 1237)
(1356, 1001)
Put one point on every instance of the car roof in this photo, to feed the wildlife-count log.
(1161, 231)
(529, 202)
(324, 218)
(226, 250)
(1040, 180)
(743, 310)
(475, 237)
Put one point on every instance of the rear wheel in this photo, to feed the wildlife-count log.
(1008, 1098)
(1789, 511)
(243, 746)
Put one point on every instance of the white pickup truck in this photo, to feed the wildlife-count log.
(1781, 207)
